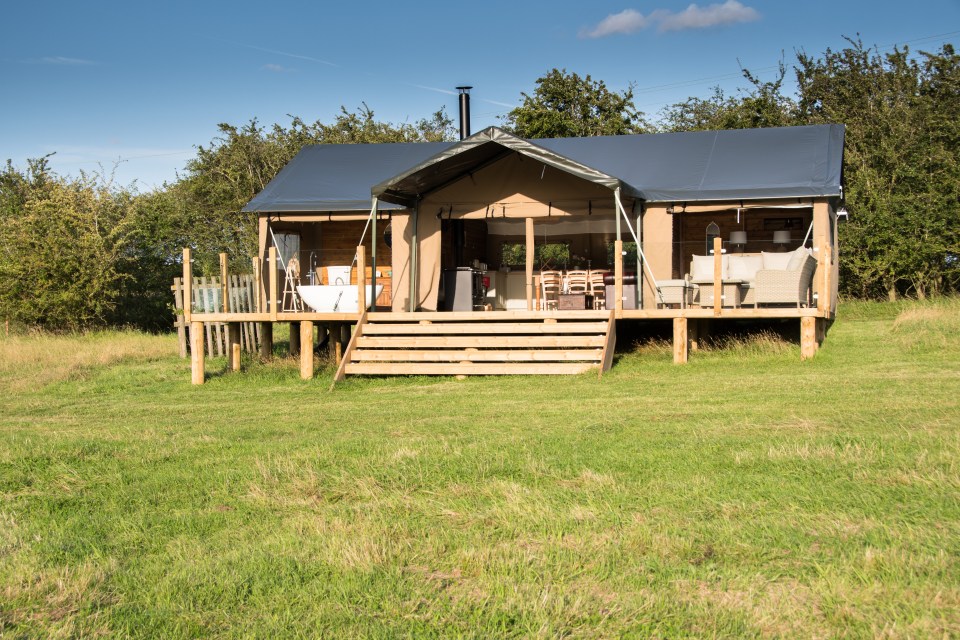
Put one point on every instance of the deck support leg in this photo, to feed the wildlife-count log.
(294, 339)
(808, 337)
(266, 340)
(233, 346)
(681, 341)
(197, 352)
(306, 350)
(694, 333)
(336, 348)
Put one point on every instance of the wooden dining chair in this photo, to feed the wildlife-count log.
(550, 285)
(598, 289)
(578, 282)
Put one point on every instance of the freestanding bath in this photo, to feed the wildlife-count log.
(335, 298)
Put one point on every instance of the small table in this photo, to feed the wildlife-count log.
(575, 301)
(730, 293)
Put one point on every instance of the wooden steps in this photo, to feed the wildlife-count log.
(482, 344)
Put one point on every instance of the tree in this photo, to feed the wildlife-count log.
(63, 241)
(902, 163)
(565, 105)
(764, 105)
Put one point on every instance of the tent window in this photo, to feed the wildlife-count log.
(552, 255)
(629, 249)
(288, 246)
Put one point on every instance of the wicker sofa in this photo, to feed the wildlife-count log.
(765, 278)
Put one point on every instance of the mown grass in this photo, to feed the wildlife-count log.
(745, 494)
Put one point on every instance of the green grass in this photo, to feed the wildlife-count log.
(745, 494)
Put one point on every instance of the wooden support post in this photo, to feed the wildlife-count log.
(681, 341)
(808, 337)
(294, 339)
(274, 283)
(224, 284)
(821, 235)
(693, 329)
(536, 293)
(335, 346)
(306, 350)
(531, 249)
(362, 279)
(197, 352)
(717, 275)
(266, 340)
(257, 291)
(187, 284)
(233, 346)
(618, 275)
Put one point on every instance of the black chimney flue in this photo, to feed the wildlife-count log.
(464, 111)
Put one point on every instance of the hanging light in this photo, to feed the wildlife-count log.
(781, 237)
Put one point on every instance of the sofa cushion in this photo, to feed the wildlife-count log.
(702, 268)
(797, 259)
(744, 267)
(776, 261)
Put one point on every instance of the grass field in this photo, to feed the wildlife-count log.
(746, 494)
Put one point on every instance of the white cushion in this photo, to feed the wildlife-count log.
(744, 267)
(777, 261)
(703, 268)
(797, 259)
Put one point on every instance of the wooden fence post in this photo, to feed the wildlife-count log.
(187, 284)
(224, 284)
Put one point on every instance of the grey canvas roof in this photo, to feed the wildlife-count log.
(338, 177)
(742, 164)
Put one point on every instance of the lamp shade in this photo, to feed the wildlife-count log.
(738, 237)
(781, 237)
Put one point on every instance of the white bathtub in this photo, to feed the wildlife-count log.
(334, 298)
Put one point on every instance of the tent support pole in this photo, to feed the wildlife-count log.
(643, 258)
(373, 257)
(414, 272)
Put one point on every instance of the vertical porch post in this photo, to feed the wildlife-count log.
(373, 258)
(821, 234)
(274, 278)
(258, 302)
(717, 275)
(617, 256)
(362, 279)
(530, 250)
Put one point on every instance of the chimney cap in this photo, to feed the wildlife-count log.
(464, 89)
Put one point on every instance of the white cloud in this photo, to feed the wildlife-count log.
(275, 68)
(693, 17)
(61, 60)
(627, 21)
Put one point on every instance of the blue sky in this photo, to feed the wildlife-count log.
(134, 87)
